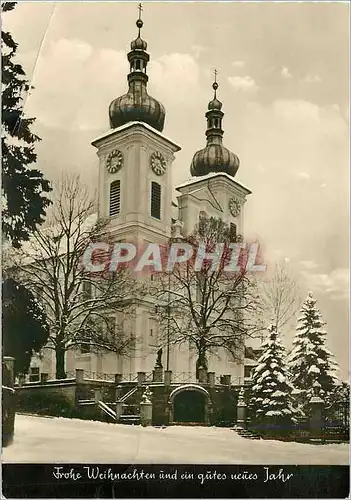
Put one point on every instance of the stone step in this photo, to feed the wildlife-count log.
(129, 419)
(245, 433)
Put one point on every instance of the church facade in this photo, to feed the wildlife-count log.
(135, 192)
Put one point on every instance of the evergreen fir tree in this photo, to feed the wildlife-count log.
(310, 361)
(23, 188)
(25, 329)
(340, 394)
(270, 403)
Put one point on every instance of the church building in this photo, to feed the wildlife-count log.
(136, 193)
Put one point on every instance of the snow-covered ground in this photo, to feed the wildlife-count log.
(39, 439)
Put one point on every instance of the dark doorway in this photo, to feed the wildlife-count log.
(189, 406)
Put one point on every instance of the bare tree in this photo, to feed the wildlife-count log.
(279, 296)
(208, 308)
(80, 305)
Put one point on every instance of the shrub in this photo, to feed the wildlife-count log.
(45, 403)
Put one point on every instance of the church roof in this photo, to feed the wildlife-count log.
(211, 175)
(128, 125)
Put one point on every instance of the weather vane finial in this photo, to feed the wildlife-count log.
(139, 22)
(215, 84)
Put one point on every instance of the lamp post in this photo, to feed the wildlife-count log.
(168, 309)
(168, 321)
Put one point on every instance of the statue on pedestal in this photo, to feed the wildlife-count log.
(158, 363)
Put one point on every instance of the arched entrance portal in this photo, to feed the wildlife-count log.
(189, 403)
(189, 406)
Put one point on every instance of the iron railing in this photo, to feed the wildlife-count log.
(337, 421)
(130, 377)
(177, 378)
(128, 395)
(107, 377)
(184, 377)
(233, 381)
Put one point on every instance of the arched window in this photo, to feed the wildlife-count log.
(137, 67)
(155, 200)
(115, 198)
(202, 215)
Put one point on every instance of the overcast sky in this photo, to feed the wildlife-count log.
(283, 75)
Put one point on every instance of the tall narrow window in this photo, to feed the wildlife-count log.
(115, 198)
(202, 223)
(87, 290)
(153, 332)
(232, 231)
(155, 200)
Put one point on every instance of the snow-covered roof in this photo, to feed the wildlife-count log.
(194, 180)
(130, 125)
(250, 362)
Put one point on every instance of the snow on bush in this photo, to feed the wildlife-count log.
(270, 403)
(310, 362)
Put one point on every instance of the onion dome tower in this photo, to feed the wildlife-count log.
(214, 158)
(136, 104)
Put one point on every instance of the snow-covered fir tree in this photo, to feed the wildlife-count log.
(24, 189)
(310, 361)
(270, 404)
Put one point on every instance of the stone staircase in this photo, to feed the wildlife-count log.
(130, 415)
(245, 433)
(107, 410)
(131, 406)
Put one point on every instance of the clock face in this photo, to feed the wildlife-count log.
(158, 163)
(114, 161)
(234, 207)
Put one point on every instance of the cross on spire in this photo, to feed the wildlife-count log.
(215, 84)
(139, 22)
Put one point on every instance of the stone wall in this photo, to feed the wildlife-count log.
(78, 397)
(160, 395)
(66, 390)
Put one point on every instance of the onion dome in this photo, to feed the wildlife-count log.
(138, 43)
(214, 157)
(215, 103)
(136, 104)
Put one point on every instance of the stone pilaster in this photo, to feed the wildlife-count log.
(211, 379)
(168, 377)
(157, 374)
(79, 375)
